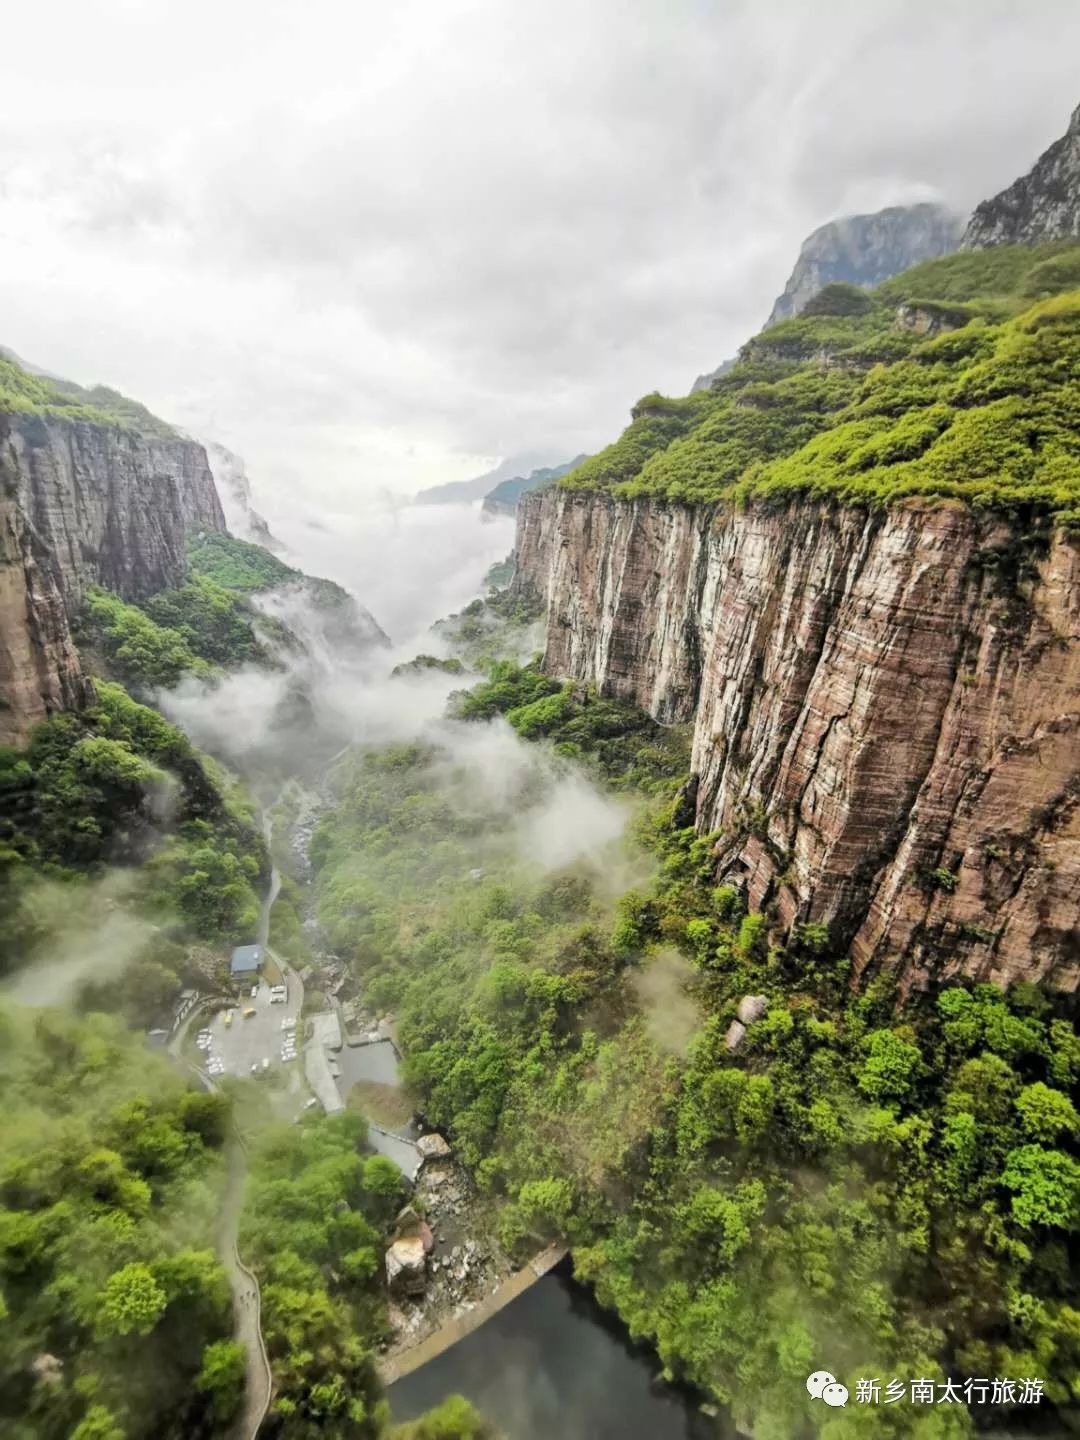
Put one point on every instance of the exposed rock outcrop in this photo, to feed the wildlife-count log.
(886, 709)
(1042, 205)
(865, 250)
(83, 504)
(234, 491)
(859, 250)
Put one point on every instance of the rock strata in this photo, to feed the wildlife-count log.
(886, 709)
(83, 504)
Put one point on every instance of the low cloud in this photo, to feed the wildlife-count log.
(92, 941)
(385, 248)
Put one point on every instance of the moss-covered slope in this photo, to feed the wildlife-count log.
(957, 379)
(24, 393)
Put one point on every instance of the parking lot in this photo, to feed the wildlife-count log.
(240, 1045)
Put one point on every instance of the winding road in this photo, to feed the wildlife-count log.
(247, 1300)
(247, 1328)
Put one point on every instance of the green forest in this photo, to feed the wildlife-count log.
(889, 1182)
(953, 381)
(895, 1187)
(24, 393)
(116, 1312)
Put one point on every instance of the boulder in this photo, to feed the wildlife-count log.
(751, 1008)
(433, 1147)
(406, 1268)
(736, 1034)
(49, 1369)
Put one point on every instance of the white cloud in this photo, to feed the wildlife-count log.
(374, 248)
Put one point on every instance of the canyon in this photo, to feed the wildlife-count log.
(885, 709)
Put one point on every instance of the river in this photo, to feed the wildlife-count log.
(554, 1363)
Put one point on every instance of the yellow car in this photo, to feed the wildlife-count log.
(249, 1012)
(228, 1018)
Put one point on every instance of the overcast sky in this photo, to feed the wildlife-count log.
(378, 246)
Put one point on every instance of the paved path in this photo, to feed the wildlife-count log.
(247, 1329)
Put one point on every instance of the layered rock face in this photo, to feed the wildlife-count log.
(83, 504)
(1042, 205)
(886, 709)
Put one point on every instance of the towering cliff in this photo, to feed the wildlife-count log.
(1042, 205)
(883, 677)
(91, 493)
(886, 728)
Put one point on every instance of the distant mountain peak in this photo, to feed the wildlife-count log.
(859, 250)
(865, 250)
(464, 492)
(503, 499)
(1042, 205)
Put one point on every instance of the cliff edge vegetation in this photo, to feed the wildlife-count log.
(22, 392)
(954, 380)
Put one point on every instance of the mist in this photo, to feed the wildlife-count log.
(92, 940)
(335, 695)
(543, 810)
(409, 564)
(407, 567)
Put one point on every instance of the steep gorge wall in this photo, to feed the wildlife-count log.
(83, 504)
(876, 697)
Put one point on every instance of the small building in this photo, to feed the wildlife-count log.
(246, 960)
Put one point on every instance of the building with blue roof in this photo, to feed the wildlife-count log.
(246, 960)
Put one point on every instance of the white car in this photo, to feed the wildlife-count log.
(254, 991)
